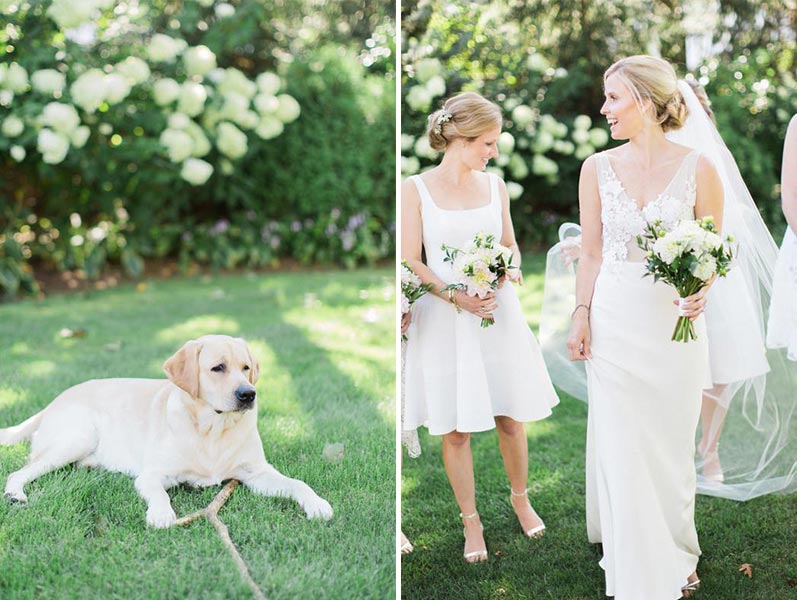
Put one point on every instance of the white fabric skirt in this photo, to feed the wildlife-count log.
(644, 406)
(460, 376)
(782, 326)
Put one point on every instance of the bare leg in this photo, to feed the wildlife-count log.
(271, 482)
(712, 418)
(515, 451)
(458, 461)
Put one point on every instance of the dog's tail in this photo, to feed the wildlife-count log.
(13, 435)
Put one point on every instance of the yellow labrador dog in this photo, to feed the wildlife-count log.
(198, 427)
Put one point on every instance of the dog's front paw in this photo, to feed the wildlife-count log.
(318, 508)
(160, 517)
(16, 497)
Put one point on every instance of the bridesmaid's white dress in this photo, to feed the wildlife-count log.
(644, 402)
(460, 376)
(782, 326)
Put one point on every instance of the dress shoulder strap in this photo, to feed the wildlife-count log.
(495, 197)
(423, 191)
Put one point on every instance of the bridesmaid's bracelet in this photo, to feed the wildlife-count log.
(573, 314)
(453, 299)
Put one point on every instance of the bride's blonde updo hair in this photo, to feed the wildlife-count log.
(466, 115)
(654, 79)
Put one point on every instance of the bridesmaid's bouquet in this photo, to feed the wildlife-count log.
(411, 289)
(687, 258)
(479, 266)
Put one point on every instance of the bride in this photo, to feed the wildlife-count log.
(644, 390)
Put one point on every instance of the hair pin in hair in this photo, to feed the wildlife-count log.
(444, 117)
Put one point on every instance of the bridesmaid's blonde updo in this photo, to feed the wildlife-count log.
(466, 116)
(654, 79)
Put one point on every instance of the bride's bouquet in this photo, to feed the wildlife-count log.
(687, 257)
(411, 289)
(479, 266)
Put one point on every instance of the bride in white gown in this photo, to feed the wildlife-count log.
(644, 390)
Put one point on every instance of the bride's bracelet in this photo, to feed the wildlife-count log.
(453, 299)
(573, 314)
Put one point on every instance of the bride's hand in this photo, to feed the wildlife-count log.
(695, 304)
(481, 307)
(515, 275)
(578, 342)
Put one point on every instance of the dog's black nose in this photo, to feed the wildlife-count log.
(245, 395)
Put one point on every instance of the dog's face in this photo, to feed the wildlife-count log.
(218, 369)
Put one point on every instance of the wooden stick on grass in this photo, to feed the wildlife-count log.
(211, 512)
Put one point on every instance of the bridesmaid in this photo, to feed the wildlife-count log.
(462, 378)
(782, 327)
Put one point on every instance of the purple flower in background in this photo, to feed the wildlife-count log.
(296, 226)
(331, 229)
(334, 213)
(347, 239)
(219, 228)
(356, 221)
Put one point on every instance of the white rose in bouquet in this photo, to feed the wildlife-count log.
(179, 144)
(231, 141)
(60, 117)
(52, 145)
(134, 70)
(269, 127)
(12, 126)
(268, 83)
(192, 98)
(48, 81)
(199, 60)
(164, 48)
(165, 91)
(196, 171)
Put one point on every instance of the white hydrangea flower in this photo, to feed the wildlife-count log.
(18, 153)
(583, 151)
(178, 121)
(234, 105)
(269, 127)
(134, 70)
(423, 149)
(199, 60)
(192, 98)
(418, 98)
(165, 91)
(522, 116)
(518, 167)
(224, 10)
(178, 143)
(580, 136)
(583, 122)
(408, 277)
(543, 142)
(537, 62)
(117, 88)
(89, 89)
(542, 165)
(410, 165)
(248, 119)
(506, 142)
(268, 83)
(289, 109)
(427, 68)
(6, 97)
(105, 129)
(68, 14)
(53, 146)
(406, 141)
(205, 3)
(436, 86)
(15, 78)
(514, 189)
(79, 136)
(200, 141)
(549, 124)
(164, 48)
(598, 137)
(266, 104)
(48, 81)
(12, 126)
(564, 147)
(60, 117)
(231, 141)
(227, 168)
(196, 171)
(234, 81)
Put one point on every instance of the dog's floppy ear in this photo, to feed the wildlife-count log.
(254, 366)
(182, 368)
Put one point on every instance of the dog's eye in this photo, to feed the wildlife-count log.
(246, 367)
(219, 368)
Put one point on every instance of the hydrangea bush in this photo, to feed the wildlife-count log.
(136, 129)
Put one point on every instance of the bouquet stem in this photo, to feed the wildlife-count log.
(684, 330)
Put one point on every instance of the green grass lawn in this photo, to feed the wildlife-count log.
(563, 565)
(325, 345)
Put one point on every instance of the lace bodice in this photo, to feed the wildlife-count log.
(622, 218)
